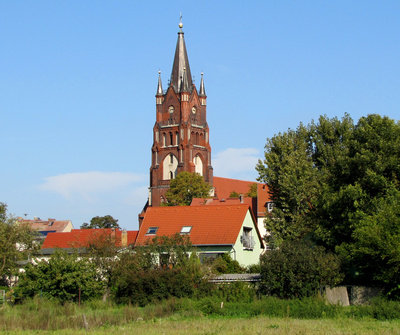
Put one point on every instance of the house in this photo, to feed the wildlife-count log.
(80, 239)
(212, 230)
(43, 227)
(224, 187)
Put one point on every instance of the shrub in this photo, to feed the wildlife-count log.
(225, 264)
(63, 277)
(298, 270)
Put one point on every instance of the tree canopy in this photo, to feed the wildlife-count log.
(332, 181)
(106, 221)
(16, 243)
(185, 187)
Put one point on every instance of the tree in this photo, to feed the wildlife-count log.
(252, 191)
(234, 194)
(16, 243)
(64, 277)
(298, 269)
(289, 171)
(185, 187)
(106, 221)
(330, 182)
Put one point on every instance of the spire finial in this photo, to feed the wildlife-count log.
(202, 91)
(159, 85)
(180, 21)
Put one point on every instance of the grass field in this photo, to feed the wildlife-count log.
(206, 316)
(258, 325)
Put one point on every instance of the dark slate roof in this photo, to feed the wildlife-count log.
(181, 69)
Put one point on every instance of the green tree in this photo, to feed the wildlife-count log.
(234, 194)
(298, 269)
(16, 243)
(329, 181)
(289, 171)
(185, 187)
(63, 277)
(106, 221)
(158, 270)
(252, 191)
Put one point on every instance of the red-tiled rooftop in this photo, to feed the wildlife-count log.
(46, 225)
(211, 225)
(225, 186)
(79, 238)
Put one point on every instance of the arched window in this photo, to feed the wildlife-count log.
(171, 140)
(198, 164)
(170, 166)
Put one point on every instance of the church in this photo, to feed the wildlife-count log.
(181, 142)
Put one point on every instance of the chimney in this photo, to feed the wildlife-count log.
(241, 198)
(124, 238)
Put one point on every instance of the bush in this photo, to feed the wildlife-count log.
(225, 264)
(298, 270)
(138, 279)
(63, 277)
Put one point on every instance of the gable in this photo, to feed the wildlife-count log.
(210, 225)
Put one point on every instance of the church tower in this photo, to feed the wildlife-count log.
(181, 133)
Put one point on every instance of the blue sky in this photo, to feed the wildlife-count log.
(78, 78)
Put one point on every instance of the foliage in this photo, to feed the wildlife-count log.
(185, 187)
(225, 264)
(157, 271)
(234, 194)
(106, 221)
(252, 191)
(297, 270)
(16, 243)
(332, 181)
(63, 277)
(103, 251)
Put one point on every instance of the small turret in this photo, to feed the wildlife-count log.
(159, 86)
(202, 91)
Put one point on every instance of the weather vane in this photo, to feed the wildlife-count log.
(180, 20)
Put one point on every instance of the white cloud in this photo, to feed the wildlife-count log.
(88, 184)
(236, 163)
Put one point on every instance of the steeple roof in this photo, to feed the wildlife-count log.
(202, 91)
(181, 69)
(159, 86)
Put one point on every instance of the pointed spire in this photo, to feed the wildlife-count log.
(159, 86)
(181, 69)
(184, 83)
(202, 89)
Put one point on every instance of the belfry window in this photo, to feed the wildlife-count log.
(171, 140)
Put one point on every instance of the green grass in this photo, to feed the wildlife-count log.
(204, 316)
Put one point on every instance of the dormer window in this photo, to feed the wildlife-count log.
(186, 230)
(152, 231)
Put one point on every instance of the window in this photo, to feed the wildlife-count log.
(247, 238)
(152, 231)
(270, 206)
(186, 230)
(171, 158)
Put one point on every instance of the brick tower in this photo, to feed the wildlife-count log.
(181, 133)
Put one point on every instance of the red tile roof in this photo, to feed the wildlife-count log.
(79, 238)
(225, 186)
(263, 197)
(49, 225)
(211, 225)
